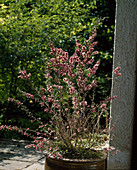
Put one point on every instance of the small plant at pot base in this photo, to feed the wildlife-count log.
(74, 129)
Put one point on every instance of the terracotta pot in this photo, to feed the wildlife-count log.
(66, 164)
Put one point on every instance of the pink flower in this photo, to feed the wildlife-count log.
(44, 97)
(84, 48)
(91, 61)
(53, 156)
(116, 71)
(112, 148)
(46, 110)
(94, 83)
(55, 149)
(51, 53)
(10, 99)
(78, 130)
(61, 157)
(95, 52)
(66, 109)
(106, 149)
(118, 68)
(88, 74)
(114, 97)
(119, 74)
(65, 79)
(103, 106)
(118, 150)
(84, 103)
(111, 130)
(71, 90)
(19, 103)
(49, 99)
(115, 152)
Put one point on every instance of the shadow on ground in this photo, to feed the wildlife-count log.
(14, 156)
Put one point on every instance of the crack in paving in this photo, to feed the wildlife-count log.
(32, 164)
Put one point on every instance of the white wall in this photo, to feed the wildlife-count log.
(125, 48)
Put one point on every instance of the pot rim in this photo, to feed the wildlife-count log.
(102, 158)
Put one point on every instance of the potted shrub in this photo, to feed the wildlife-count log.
(74, 137)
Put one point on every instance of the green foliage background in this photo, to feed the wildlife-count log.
(26, 29)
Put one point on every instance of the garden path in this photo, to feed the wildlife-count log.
(14, 156)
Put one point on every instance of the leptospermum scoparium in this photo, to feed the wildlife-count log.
(75, 122)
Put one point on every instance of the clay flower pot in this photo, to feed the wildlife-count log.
(74, 164)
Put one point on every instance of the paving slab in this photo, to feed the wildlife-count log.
(14, 156)
(39, 165)
(13, 165)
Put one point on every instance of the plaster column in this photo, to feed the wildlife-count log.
(125, 53)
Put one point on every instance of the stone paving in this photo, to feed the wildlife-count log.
(14, 156)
